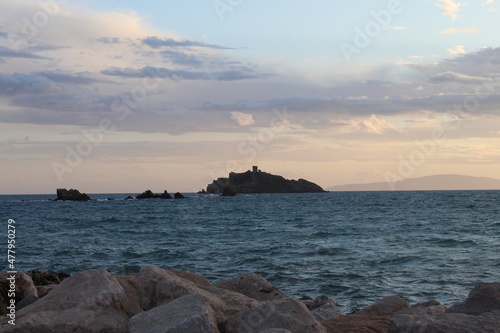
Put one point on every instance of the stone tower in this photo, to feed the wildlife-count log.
(255, 169)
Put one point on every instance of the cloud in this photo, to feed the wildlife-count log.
(243, 119)
(9, 53)
(181, 58)
(154, 72)
(375, 125)
(234, 75)
(44, 47)
(13, 84)
(67, 78)
(459, 49)
(488, 2)
(469, 30)
(450, 7)
(156, 42)
(179, 74)
(457, 77)
(110, 40)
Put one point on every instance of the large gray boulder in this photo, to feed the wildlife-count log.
(483, 298)
(186, 314)
(90, 301)
(158, 286)
(287, 314)
(253, 286)
(480, 313)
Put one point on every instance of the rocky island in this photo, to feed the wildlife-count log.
(256, 181)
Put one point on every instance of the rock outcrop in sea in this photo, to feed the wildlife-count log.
(71, 195)
(256, 181)
(165, 300)
(150, 195)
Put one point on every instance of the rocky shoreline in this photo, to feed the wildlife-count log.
(165, 300)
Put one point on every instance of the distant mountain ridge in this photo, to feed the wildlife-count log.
(428, 183)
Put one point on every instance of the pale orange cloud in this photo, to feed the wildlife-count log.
(468, 30)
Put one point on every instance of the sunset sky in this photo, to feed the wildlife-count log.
(124, 96)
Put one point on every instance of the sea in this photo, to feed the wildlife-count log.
(355, 247)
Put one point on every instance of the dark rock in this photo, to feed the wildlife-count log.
(261, 182)
(483, 298)
(252, 285)
(44, 290)
(202, 191)
(228, 192)
(129, 198)
(71, 195)
(179, 196)
(43, 278)
(147, 195)
(110, 199)
(323, 308)
(165, 195)
(25, 291)
(62, 276)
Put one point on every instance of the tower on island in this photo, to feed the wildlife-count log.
(255, 169)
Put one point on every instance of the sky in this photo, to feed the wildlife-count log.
(122, 96)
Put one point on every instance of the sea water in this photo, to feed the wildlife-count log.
(355, 247)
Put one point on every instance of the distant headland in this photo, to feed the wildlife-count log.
(257, 181)
(428, 183)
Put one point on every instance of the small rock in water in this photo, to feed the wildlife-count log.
(71, 195)
(179, 196)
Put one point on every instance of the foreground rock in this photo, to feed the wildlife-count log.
(257, 181)
(43, 278)
(189, 314)
(165, 300)
(373, 319)
(285, 314)
(323, 308)
(252, 285)
(479, 313)
(71, 195)
(89, 301)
